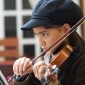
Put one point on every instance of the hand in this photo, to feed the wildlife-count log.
(52, 76)
(22, 66)
(53, 79)
(39, 69)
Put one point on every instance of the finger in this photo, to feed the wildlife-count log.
(16, 66)
(42, 71)
(21, 64)
(49, 67)
(27, 71)
(27, 64)
(35, 70)
(52, 77)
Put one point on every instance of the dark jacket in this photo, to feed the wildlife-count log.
(72, 71)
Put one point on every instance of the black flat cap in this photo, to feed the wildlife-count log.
(54, 12)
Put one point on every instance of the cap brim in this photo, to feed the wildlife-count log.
(32, 23)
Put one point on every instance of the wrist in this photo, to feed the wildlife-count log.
(21, 78)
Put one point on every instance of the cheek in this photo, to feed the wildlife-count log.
(51, 40)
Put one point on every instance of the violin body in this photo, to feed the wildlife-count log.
(61, 56)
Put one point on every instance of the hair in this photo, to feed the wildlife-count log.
(75, 39)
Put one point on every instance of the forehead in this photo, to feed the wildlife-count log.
(39, 29)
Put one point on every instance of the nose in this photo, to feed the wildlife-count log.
(42, 42)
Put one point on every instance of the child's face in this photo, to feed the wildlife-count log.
(48, 36)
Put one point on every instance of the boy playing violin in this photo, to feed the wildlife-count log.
(50, 20)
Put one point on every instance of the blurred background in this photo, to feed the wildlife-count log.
(15, 43)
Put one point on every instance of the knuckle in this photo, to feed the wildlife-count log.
(34, 67)
(28, 59)
(30, 64)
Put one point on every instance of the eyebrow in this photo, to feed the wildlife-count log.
(40, 32)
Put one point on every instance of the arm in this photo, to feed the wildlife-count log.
(28, 79)
(20, 80)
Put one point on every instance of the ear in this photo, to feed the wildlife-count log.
(66, 27)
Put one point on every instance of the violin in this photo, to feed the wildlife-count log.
(56, 61)
(63, 54)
